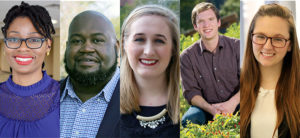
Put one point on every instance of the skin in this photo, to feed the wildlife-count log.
(270, 65)
(25, 75)
(150, 40)
(91, 46)
(207, 26)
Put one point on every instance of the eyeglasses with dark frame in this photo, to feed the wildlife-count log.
(261, 39)
(32, 43)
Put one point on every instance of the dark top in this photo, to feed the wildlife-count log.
(214, 76)
(130, 126)
(29, 111)
(109, 126)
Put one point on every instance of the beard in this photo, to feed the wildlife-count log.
(90, 79)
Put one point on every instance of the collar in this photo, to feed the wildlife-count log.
(220, 44)
(107, 91)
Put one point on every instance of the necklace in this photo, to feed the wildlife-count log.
(152, 121)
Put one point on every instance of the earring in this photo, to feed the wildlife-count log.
(48, 53)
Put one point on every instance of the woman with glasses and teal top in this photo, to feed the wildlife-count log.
(29, 99)
(270, 77)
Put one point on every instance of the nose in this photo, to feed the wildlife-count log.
(87, 47)
(268, 44)
(149, 49)
(23, 46)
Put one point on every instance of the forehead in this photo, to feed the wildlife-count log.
(271, 25)
(150, 24)
(209, 13)
(89, 24)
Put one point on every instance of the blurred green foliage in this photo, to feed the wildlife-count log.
(186, 41)
(225, 9)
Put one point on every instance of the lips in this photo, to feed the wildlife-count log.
(148, 62)
(87, 60)
(23, 59)
(207, 30)
(267, 54)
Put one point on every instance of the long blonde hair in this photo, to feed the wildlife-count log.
(129, 99)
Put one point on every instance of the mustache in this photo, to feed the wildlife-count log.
(87, 57)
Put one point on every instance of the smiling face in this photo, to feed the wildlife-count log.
(25, 60)
(267, 55)
(91, 48)
(207, 24)
(148, 46)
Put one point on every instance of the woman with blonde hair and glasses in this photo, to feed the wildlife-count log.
(270, 77)
(29, 99)
(150, 73)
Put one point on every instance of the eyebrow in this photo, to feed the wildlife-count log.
(16, 32)
(158, 35)
(275, 35)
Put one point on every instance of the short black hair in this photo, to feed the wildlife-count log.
(38, 15)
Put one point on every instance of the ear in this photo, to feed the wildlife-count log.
(117, 46)
(49, 44)
(219, 22)
(195, 27)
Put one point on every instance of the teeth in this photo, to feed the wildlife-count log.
(148, 62)
(265, 54)
(23, 59)
(206, 31)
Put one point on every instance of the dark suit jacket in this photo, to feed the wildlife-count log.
(109, 126)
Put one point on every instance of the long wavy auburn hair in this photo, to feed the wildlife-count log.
(129, 93)
(287, 90)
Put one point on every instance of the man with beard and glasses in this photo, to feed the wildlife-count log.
(90, 95)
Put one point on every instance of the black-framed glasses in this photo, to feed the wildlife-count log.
(261, 39)
(32, 43)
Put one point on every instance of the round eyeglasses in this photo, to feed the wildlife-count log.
(261, 39)
(32, 43)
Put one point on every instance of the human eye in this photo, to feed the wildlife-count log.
(13, 40)
(34, 40)
(76, 41)
(139, 40)
(260, 37)
(98, 40)
(277, 39)
(159, 41)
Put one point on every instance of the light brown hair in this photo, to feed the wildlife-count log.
(129, 93)
(287, 90)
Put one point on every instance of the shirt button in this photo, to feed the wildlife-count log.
(218, 80)
(76, 132)
(98, 100)
(215, 68)
(83, 110)
(221, 91)
(200, 76)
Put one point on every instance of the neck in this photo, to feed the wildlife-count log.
(270, 76)
(26, 79)
(153, 91)
(211, 44)
(86, 92)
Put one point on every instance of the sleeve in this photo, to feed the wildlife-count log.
(190, 85)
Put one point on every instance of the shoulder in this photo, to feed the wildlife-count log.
(188, 51)
(232, 41)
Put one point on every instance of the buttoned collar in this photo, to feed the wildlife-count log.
(107, 91)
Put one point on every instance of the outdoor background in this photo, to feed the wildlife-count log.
(223, 125)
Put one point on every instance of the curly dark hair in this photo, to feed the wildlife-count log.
(38, 15)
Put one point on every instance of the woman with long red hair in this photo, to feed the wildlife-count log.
(270, 76)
